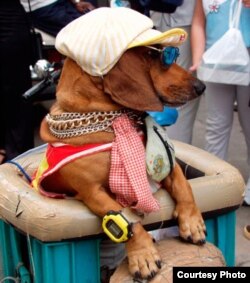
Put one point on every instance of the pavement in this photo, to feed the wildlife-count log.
(237, 157)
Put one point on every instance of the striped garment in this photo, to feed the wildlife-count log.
(97, 40)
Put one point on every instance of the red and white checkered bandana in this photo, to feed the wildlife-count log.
(128, 177)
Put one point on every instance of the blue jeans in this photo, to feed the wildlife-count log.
(52, 18)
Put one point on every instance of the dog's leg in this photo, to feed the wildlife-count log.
(143, 258)
(91, 186)
(191, 224)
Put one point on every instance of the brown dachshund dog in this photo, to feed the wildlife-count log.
(140, 83)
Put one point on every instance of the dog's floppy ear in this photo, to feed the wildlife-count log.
(129, 83)
(77, 91)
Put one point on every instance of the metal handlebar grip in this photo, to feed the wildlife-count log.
(37, 89)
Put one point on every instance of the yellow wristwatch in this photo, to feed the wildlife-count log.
(117, 226)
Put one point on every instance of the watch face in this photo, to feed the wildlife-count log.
(114, 229)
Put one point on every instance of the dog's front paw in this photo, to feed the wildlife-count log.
(144, 261)
(192, 227)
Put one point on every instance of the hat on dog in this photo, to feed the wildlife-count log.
(98, 39)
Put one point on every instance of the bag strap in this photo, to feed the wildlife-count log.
(234, 13)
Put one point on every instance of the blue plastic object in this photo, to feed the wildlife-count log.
(169, 55)
(77, 261)
(221, 233)
(11, 243)
(165, 118)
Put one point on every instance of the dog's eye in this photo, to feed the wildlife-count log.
(153, 53)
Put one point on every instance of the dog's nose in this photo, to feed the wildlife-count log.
(199, 87)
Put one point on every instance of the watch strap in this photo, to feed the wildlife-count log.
(131, 215)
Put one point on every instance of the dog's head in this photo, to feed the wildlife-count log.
(140, 81)
(119, 64)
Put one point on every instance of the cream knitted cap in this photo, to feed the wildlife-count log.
(98, 39)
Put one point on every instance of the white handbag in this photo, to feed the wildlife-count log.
(227, 60)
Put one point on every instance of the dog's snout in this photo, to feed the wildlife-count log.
(199, 87)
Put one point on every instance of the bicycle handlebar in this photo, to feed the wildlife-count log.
(33, 92)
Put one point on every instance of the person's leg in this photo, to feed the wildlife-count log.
(182, 130)
(111, 256)
(247, 193)
(2, 128)
(219, 105)
(15, 79)
(243, 98)
(52, 18)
